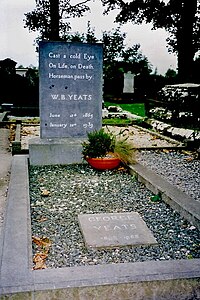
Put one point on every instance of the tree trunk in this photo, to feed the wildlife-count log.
(186, 50)
(54, 13)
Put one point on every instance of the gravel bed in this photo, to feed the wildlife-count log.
(78, 189)
(138, 136)
(176, 167)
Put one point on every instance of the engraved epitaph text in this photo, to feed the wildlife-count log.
(70, 89)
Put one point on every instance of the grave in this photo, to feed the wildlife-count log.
(166, 279)
(128, 83)
(115, 230)
(70, 100)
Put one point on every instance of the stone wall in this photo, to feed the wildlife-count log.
(177, 101)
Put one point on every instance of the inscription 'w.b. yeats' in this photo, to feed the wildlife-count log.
(115, 229)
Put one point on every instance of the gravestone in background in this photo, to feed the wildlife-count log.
(70, 100)
(128, 83)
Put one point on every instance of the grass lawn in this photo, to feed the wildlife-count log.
(116, 121)
(134, 108)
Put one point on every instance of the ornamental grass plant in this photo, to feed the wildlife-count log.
(101, 143)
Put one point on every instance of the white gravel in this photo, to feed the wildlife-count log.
(177, 167)
(140, 137)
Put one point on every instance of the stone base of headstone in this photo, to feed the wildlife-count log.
(55, 151)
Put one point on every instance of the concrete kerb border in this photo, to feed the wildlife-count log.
(16, 275)
(3, 116)
(178, 200)
(170, 140)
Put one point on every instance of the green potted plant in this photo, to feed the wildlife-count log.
(105, 150)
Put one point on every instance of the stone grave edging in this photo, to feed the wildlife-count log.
(185, 205)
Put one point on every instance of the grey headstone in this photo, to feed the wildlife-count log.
(128, 83)
(115, 229)
(70, 89)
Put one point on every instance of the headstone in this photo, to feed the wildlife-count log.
(128, 83)
(115, 229)
(70, 89)
(70, 101)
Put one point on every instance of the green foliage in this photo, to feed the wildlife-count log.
(40, 19)
(99, 144)
(88, 37)
(137, 109)
(113, 42)
(161, 14)
(157, 198)
(124, 149)
(171, 76)
(116, 121)
(134, 177)
(170, 73)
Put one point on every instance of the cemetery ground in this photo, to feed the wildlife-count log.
(163, 187)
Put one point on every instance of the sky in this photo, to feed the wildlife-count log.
(17, 43)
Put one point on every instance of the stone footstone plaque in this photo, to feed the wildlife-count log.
(115, 230)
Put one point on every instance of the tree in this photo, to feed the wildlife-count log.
(55, 18)
(180, 18)
(17, 83)
(116, 53)
(171, 76)
(50, 18)
(196, 68)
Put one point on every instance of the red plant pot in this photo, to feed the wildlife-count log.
(106, 163)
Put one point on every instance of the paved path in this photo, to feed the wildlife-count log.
(5, 165)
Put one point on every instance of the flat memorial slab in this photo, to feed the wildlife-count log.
(115, 229)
